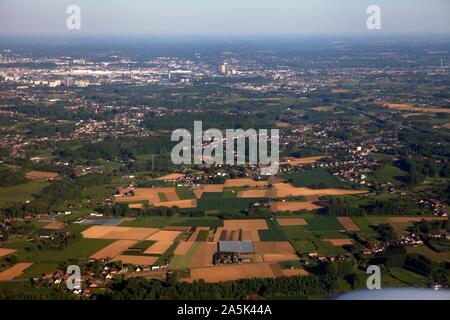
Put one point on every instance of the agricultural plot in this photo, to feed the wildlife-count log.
(164, 235)
(323, 224)
(348, 224)
(203, 256)
(292, 222)
(41, 175)
(185, 193)
(182, 260)
(113, 250)
(315, 178)
(79, 249)
(293, 206)
(159, 247)
(237, 272)
(23, 192)
(274, 233)
(118, 233)
(14, 271)
(137, 260)
(209, 203)
(4, 252)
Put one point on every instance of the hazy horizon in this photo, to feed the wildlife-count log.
(231, 17)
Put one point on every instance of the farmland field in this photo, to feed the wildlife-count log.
(275, 232)
(21, 192)
(319, 178)
(323, 224)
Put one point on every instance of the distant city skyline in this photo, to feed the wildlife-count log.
(232, 17)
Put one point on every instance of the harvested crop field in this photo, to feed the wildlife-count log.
(183, 204)
(284, 190)
(183, 248)
(294, 272)
(164, 235)
(203, 256)
(54, 225)
(232, 183)
(278, 257)
(348, 223)
(292, 222)
(118, 233)
(208, 188)
(293, 206)
(151, 195)
(137, 260)
(300, 161)
(114, 249)
(5, 252)
(410, 107)
(14, 271)
(282, 247)
(236, 272)
(41, 175)
(159, 247)
(339, 242)
(258, 224)
(171, 176)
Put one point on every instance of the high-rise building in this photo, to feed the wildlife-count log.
(223, 68)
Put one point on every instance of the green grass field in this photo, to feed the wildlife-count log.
(162, 197)
(182, 262)
(184, 193)
(275, 232)
(323, 224)
(217, 201)
(318, 177)
(160, 222)
(390, 174)
(202, 235)
(81, 248)
(21, 192)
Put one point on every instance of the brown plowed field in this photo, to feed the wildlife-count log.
(172, 176)
(164, 235)
(14, 271)
(183, 248)
(236, 272)
(114, 249)
(292, 222)
(275, 257)
(300, 161)
(259, 224)
(5, 252)
(41, 175)
(339, 242)
(54, 225)
(159, 247)
(229, 183)
(118, 233)
(293, 206)
(410, 107)
(348, 223)
(203, 256)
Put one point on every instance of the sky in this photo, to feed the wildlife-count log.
(230, 17)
